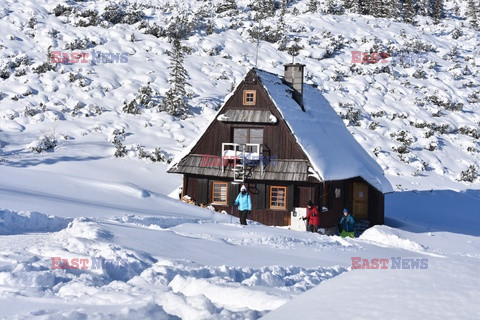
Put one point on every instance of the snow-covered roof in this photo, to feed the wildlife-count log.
(332, 150)
(249, 116)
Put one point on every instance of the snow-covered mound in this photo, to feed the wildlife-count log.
(126, 262)
(22, 222)
(387, 236)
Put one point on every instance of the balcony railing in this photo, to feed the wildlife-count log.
(243, 155)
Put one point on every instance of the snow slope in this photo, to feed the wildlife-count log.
(438, 210)
(164, 259)
(444, 290)
(401, 293)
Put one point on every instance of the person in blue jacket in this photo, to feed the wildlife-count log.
(244, 203)
(348, 224)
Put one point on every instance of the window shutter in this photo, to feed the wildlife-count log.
(261, 198)
(203, 191)
(233, 190)
(240, 135)
(290, 193)
(256, 136)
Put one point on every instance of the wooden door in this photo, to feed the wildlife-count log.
(360, 200)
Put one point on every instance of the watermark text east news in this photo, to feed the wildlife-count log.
(83, 57)
(396, 57)
(396, 263)
(87, 263)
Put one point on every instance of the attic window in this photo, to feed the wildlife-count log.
(249, 97)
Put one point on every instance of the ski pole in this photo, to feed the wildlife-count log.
(231, 215)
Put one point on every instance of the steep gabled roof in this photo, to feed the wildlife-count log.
(330, 147)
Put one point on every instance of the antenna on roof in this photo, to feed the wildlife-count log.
(294, 49)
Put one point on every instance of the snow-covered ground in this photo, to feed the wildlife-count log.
(153, 257)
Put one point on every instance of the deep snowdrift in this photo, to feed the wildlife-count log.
(202, 266)
(23, 222)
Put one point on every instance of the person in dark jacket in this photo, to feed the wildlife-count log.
(312, 217)
(348, 224)
(244, 203)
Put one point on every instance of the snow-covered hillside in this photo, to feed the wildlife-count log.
(416, 112)
(64, 194)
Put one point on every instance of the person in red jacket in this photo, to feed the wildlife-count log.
(312, 217)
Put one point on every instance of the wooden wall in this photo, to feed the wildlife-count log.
(376, 202)
(277, 138)
(334, 204)
(190, 186)
(298, 195)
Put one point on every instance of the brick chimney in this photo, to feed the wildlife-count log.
(293, 76)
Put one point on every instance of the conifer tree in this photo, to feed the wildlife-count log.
(294, 48)
(227, 5)
(365, 6)
(330, 7)
(396, 9)
(408, 12)
(379, 8)
(472, 14)
(282, 27)
(357, 6)
(210, 27)
(348, 4)
(421, 7)
(438, 11)
(375, 7)
(207, 14)
(456, 8)
(265, 8)
(389, 8)
(175, 101)
(313, 6)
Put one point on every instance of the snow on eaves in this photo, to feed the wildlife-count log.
(222, 117)
(330, 147)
